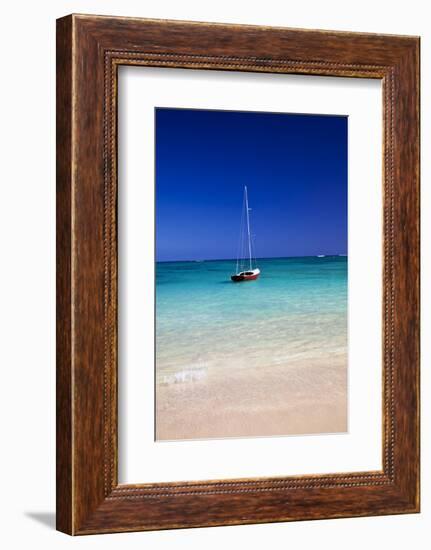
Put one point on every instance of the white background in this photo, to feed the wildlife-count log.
(141, 458)
(27, 233)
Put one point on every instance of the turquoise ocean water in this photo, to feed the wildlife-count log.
(296, 311)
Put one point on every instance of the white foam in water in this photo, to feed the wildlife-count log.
(183, 376)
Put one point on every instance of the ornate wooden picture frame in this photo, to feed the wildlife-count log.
(89, 51)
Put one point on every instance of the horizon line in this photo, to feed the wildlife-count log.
(259, 258)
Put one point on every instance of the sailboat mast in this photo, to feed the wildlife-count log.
(252, 274)
(248, 225)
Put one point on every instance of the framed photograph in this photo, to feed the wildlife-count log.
(237, 274)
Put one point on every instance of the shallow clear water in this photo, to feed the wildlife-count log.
(296, 310)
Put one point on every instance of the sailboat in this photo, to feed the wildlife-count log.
(244, 256)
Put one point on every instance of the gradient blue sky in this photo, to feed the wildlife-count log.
(295, 168)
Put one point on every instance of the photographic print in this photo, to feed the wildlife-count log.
(251, 274)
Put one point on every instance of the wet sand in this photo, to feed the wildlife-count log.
(306, 396)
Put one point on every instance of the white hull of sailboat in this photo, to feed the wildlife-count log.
(251, 275)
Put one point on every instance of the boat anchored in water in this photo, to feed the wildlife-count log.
(245, 256)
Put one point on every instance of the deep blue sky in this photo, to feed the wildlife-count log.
(295, 168)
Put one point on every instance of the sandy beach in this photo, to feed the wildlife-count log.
(293, 398)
